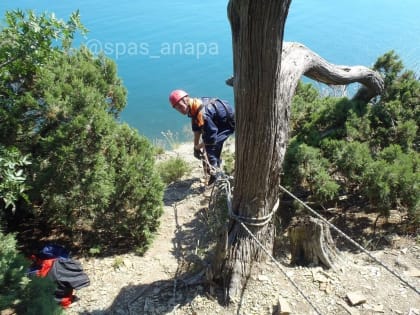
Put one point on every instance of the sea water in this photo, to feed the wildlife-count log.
(162, 45)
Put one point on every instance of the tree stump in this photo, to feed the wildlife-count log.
(311, 243)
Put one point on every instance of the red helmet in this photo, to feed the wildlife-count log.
(176, 96)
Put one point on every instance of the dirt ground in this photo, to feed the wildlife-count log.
(162, 281)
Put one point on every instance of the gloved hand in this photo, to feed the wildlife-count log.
(198, 154)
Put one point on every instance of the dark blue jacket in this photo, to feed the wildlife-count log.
(219, 121)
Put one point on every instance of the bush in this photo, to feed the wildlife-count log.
(172, 169)
(12, 177)
(369, 151)
(306, 168)
(17, 291)
(89, 173)
(392, 181)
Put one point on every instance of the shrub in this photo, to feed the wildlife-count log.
(306, 168)
(369, 151)
(392, 181)
(173, 169)
(89, 172)
(12, 177)
(17, 291)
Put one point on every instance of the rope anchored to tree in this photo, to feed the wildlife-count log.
(224, 183)
(255, 221)
(351, 240)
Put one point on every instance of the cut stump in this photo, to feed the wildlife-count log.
(311, 243)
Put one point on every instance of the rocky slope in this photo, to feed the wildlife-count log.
(162, 282)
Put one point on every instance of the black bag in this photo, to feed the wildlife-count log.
(69, 276)
(54, 261)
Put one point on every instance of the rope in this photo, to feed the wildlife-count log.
(351, 241)
(254, 221)
(280, 267)
(226, 184)
(223, 180)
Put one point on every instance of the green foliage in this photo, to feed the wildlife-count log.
(12, 271)
(28, 41)
(369, 151)
(12, 176)
(348, 158)
(324, 118)
(89, 172)
(392, 181)
(309, 169)
(172, 169)
(39, 298)
(95, 250)
(17, 291)
(228, 162)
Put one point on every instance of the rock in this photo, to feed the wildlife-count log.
(356, 298)
(378, 308)
(320, 278)
(263, 278)
(413, 272)
(283, 307)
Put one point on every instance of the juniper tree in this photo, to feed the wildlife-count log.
(61, 106)
(266, 73)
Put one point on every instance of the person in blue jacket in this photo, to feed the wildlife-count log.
(212, 120)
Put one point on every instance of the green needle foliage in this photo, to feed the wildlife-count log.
(17, 291)
(60, 106)
(369, 152)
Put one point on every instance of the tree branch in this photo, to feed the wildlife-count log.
(298, 60)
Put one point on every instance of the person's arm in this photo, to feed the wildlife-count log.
(197, 144)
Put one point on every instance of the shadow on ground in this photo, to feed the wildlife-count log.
(191, 243)
(179, 190)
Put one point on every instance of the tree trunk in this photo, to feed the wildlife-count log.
(262, 115)
(311, 243)
(266, 74)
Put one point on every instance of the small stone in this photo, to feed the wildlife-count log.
(378, 308)
(283, 307)
(320, 278)
(356, 298)
(413, 272)
(263, 278)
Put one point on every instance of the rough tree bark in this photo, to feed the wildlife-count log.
(260, 139)
(298, 61)
(311, 243)
(266, 75)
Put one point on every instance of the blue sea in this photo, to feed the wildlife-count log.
(161, 45)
